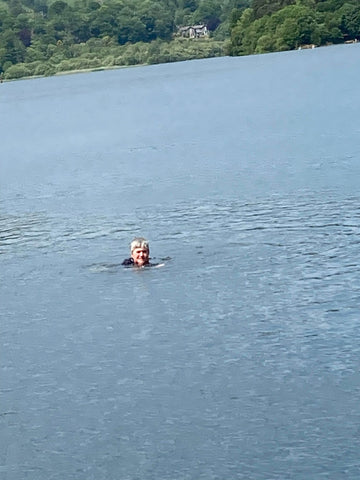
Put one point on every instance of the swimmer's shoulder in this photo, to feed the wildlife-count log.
(128, 262)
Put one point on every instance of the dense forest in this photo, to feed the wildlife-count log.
(45, 37)
(270, 26)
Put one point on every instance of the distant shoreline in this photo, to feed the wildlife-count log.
(118, 67)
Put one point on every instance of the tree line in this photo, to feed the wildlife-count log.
(269, 26)
(45, 37)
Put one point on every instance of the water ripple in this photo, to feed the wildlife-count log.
(296, 226)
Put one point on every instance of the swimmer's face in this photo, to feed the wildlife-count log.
(140, 256)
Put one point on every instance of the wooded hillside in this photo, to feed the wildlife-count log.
(45, 37)
(270, 26)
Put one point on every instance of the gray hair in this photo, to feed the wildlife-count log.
(139, 242)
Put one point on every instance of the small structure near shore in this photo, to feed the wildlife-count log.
(193, 31)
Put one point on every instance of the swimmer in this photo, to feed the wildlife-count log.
(140, 254)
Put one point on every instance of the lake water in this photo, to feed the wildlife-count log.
(239, 359)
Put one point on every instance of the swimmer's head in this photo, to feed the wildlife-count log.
(139, 242)
(140, 251)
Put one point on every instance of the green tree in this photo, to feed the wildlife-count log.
(238, 32)
(265, 44)
(268, 7)
(104, 21)
(17, 71)
(14, 50)
(157, 20)
(208, 12)
(16, 7)
(58, 8)
(350, 21)
(6, 20)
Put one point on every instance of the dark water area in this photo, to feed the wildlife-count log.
(239, 359)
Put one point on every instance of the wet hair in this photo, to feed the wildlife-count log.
(139, 242)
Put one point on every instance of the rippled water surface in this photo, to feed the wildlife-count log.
(239, 359)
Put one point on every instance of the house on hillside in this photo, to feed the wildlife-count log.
(193, 31)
